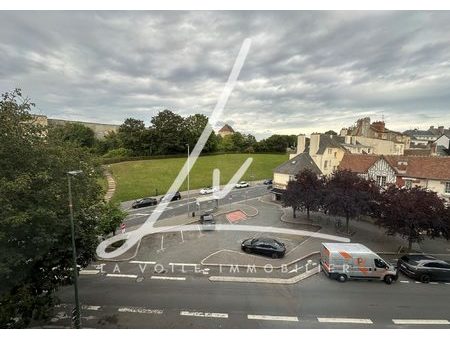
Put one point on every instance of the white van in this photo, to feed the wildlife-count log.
(344, 261)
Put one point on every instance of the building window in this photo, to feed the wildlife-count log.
(325, 164)
(329, 151)
(381, 181)
(408, 184)
(291, 178)
(447, 187)
(335, 154)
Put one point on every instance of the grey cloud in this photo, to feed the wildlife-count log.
(306, 71)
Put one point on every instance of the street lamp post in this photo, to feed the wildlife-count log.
(188, 170)
(77, 313)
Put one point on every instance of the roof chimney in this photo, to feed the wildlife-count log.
(301, 141)
(314, 144)
(441, 129)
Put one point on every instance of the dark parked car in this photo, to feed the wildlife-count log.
(267, 182)
(207, 221)
(144, 202)
(424, 268)
(172, 197)
(264, 246)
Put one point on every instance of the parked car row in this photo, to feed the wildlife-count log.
(150, 201)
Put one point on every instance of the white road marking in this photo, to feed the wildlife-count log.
(120, 275)
(404, 281)
(434, 283)
(421, 321)
(89, 272)
(184, 264)
(142, 262)
(140, 310)
(168, 278)
(345, 320)
(204, 314)
(447, 283)
(281, 318)
(417, 282)
(91, 307)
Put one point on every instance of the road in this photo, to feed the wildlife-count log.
(196, 302)
(175, 208)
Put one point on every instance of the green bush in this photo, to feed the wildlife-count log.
(117, 153)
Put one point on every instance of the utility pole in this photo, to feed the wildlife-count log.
(76, 314)
(188, 171)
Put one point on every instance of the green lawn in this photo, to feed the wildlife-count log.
(137, 179)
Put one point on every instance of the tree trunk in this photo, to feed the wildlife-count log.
(347, 219)
(293, 210)
(307, 213)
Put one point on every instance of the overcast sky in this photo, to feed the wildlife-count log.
(305, 72)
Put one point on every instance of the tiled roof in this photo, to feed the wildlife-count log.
(428, 167)
(329, 141)
(226, 127)
(296, 164)
(357, 163)
(431, 167)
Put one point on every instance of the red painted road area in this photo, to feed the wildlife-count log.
(235, 216)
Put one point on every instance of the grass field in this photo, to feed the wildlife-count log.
(137, 179)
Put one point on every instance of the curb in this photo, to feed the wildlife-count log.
(111, 185)
(291, 280)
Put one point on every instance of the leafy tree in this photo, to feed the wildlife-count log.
(169, 132)
(35, 255)
(109, 142)
(330, 132)
(276, 143)
(75, 133)
(413, 214)
(132, 134)
(194, 126)
(349, 195)
(291, 197)
(112, 217)
(310, 190)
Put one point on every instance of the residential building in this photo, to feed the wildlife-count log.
(430, 172)
(423, 137)
(226, 130)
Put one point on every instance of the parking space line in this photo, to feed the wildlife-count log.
(168, 278)
(142, 262)
(265, 317)
(91, 307)
(421, 321)
(89, 272)
(434, 283)
(140, 310)
(185, 264)
(345, 320)
(120, 275)
(404, 281)
(204, 314)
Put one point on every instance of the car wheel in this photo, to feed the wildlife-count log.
(247, 250)
(342, 278)
(275, 255)
(388, 279)
(425, 279)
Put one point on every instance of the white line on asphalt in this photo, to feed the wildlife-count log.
(204, 314)
(345, 320)
(120, 275)
(447, 283)
(168, 278)
(91, 307)
(421, 321)
(281, 318)
(142, 262)
(140, 310)
(184, 264)
(417, 282)
(89, 272)
(434, 283)
(404, 281)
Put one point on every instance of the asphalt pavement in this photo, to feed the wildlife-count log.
(196, 302)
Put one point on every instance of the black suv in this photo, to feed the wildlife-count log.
(424, 268)
(171, 197)
(144, 202)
